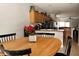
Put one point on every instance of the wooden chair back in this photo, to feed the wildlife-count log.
(15, 52)
(7, 37)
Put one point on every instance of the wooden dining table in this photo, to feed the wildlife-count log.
(42, 47)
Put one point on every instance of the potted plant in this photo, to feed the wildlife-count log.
(29, 30)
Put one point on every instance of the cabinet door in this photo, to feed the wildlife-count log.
(32, 17)
(67, 32)
(36, 17)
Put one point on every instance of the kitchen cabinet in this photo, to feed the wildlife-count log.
(67, 32)
(38, 17)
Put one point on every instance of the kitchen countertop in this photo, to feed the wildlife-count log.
(60, 30)
(58, 33)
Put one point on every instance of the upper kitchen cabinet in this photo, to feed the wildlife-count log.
(37, 16)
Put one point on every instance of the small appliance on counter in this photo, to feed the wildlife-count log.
(38, 26)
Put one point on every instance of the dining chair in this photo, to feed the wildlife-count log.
(68, 48)
(7, 37)
(15, 52)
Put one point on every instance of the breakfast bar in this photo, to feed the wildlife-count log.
(57, 33)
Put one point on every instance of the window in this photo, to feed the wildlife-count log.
(67, 24)
(63, 24)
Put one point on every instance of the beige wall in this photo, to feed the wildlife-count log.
(13, 17)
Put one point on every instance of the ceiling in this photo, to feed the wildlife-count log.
(67, 9)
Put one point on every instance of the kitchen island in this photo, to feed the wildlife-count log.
(58, 33)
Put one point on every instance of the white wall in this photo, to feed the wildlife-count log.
(13, 17)
(74, 22)
(53, 16)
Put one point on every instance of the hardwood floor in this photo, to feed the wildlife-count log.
(74, 49)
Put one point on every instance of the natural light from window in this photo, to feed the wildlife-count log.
(63, 24)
